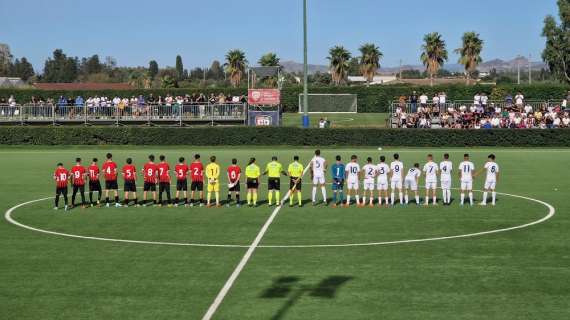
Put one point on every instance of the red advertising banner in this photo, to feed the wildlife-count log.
(267, 97)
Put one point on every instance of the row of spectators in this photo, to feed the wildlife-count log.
(467, 118)
(133, 101)
(438, 100)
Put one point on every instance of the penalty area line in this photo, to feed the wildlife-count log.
(244, 260)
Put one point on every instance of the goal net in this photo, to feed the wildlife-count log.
(330, 103)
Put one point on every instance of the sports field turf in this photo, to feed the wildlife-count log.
(339, 120)
(520, 274)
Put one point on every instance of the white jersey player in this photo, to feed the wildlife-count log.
(352, 171)
(396, 178)
(466, 170)
(491, 180)
(411, 182)
(318, 168)
(370, 172)
(446, 169)
(382, 170)
(431, 169)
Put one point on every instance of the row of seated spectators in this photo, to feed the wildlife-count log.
(479, 117)
(133, 101)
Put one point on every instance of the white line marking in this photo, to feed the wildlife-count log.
(229, 283)
(551, 213)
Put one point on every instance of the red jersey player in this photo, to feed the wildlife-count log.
(234, 175)
(181, 170)
(130, 176)
(149, 173)
(197, 175)
(78, 174)
(61, 177)
(163, 180)
(110, 171)
(94, 183)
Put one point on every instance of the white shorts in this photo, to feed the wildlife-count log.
(368, 185)
(446, 184)
(352, 184)
(490, 184)
(396, 184)
(382, 185)
(431, 185)
(411, 184)
(319, 180)
(466, 185)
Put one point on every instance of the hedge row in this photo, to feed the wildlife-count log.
(370, 99)
(248, 136)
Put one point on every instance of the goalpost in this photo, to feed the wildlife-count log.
(330, 103)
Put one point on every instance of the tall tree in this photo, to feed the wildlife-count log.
(23, 69)
(269, 60)
(339, 59)
(434, 54)
(354, 67)
(470, 53)
(179, 68)
(216, 72)
(91, 65)
(5, 60)
(152, 69)
(557, 51)
(235, 66)
(369, 61)
(61, 68)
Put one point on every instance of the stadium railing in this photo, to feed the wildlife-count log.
(173, 114)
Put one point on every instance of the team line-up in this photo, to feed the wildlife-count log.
(380, 177)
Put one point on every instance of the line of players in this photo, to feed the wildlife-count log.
(383, 177)
(374, 176)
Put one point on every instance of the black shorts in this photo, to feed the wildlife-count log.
(274, 184)
(111, 185)
(197, 186)
(149, 186)
(299, 184)
(78, 188)
(61, 190)
(164, 186)
(252, 183)
(95, 186)
(130, 186)
(235, 188)
(181, 185)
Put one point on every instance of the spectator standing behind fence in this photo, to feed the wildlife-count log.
(519, 100)
(413, 102)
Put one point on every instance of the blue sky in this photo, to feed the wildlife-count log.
(135, 32)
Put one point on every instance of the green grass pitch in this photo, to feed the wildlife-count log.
(521, 274)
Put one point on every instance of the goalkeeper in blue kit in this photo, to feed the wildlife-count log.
(338, 182)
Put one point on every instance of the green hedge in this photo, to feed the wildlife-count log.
(247, 136)
(370, 99)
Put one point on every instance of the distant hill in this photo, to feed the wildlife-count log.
(486, 66)
(292, 66)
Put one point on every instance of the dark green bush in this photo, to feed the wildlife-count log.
(248, 136)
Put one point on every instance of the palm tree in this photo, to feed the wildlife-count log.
(434, 54)
(339, 63)
(269, 60)
(235, 66)
(369, 61)
(470, 53)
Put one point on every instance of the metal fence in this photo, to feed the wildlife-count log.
(123, 114)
